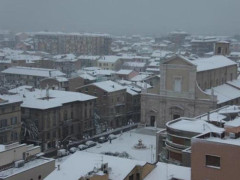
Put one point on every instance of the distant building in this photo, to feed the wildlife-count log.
(29, 76)
(125, 74)
(64, 43)
(201, 46)
(222, 48)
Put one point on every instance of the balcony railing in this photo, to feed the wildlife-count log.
(8, 128)
(67, 122)
(175, 146)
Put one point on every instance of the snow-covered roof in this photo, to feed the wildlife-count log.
(235, 83)
(71, 34)
(214, 62)
(194, 125)
(130, 91)
(224, 93)
(37, 99)
(134, 64)
(87, 76)
(81, 163)
(160, 54)
(153, 69)
(65, 57)
(88, 57)
(235, 54)
(140, 77)
(40, 72)
(104, 72)
(124, 82)
(6, 174)
(229, 141)
(109, 86)
(154, 63)
(214, 116)
(109, 59)
(233, 123)
(124, 71)
(233, 109)
(2, 147)
(91, 68)
(61, 79)
(5, 100)
(163, 171)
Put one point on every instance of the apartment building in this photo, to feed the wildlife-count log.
(216, 157)
(10, 120)
(21, 161)
(200, 46)
(51, 116)
(174, 143)
(64, 43)
(28, 75)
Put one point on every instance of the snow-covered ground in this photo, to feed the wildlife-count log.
(126, 141)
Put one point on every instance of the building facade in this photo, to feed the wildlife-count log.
(180, 94)
(110, 103)
(10, 120)
(64, 43)
(51, 117)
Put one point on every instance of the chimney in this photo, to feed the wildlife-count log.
(58, 166)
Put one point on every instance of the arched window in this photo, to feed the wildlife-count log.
(219, 50)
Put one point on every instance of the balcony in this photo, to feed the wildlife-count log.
(8, 128)
(178, 147)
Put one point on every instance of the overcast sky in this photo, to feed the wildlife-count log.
(149, 17)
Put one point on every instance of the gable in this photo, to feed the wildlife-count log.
(179, 61)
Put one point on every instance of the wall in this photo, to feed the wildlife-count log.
(230, 160)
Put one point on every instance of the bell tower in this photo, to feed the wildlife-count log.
(222, 48)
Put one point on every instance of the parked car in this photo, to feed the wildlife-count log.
(102, 139)
(90, 143)
(112, 136)
(82, 147)
(62, 152)
(73, 149)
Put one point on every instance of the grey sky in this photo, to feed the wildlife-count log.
(150, 17)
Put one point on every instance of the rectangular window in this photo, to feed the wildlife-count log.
(178, 84)
(131, 177)
(213, 161)
(13, 120)
(3, 123)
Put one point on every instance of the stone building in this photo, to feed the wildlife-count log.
(180, 94)
(222, 48)
(10, 120)
(110, 104)
(50, 116)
